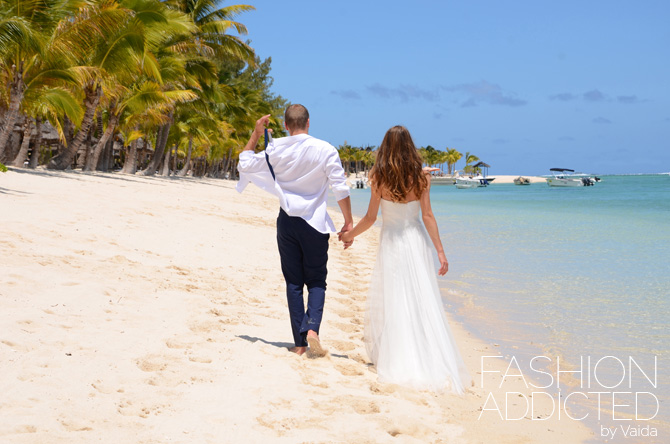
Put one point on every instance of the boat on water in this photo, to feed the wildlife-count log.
(564, 177)
(466, 182)
(522, 181)
(360, 183)
(472, 182)
(443, 180)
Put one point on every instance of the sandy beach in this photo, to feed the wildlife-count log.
(505, 179)
(152, 310)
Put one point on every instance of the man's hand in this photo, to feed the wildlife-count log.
(261, 124)
(350, 240)
(257, 133)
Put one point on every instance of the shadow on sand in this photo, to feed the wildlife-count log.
(285, 345)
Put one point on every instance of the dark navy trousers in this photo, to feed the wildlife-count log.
(304, 255)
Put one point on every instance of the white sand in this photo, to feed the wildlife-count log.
(152, 310)
(502, 178)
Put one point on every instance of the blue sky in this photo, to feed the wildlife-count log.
(524, 85)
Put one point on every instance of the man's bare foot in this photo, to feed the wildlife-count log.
(298, 350)
(315, 344)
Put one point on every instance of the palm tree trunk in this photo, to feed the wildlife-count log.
(130, 166)
(22, 155)
(64, 159)
(86, 152)
(16, 91)
(165, 171)
(159, 149)
(107, 156)
(35, 156)
(68, 132)
(228, 160)
(157, 157)
(187, 162)
(93, 158)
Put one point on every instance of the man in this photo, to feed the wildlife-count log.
(299, 169)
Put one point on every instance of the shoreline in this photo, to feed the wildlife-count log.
(146, 308)
(502, 179)
(513, 337)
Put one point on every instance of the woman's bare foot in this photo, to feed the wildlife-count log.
(298, 350)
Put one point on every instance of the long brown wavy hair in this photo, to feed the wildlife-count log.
(398, 168)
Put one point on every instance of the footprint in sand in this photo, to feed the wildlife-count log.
(363, 407)
(25, 429)
(347, 328)
(200, 359)
(346, 313)
(13, 345)
(73, 425)
(312, 380)
(343, 345)
(127, 408)
(152, 363)
(348, 369)
(360, 359)
(175, 343)
(104, 388)
(381, 389)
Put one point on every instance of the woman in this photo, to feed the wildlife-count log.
(406, 332)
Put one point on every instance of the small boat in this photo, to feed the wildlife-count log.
(564, 177)
(522, 181)
(360, 183)
(470, 182)
(484, 180)
(442, 180)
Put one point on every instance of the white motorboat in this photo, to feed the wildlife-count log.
(563, 177)
(468, 182)
(484, 180)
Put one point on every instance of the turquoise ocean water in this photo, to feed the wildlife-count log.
(569, 273)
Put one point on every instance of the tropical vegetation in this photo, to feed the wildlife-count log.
(356, 159)
(159, 86)
(361, 159)
(150, 86)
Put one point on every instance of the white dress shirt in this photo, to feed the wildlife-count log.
(304, 167)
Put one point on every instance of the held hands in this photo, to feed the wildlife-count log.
(345, 235)
(444, 264)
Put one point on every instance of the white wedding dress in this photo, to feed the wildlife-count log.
(406, 332)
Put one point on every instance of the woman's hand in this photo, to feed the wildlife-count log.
(444, 264)
(346, 237)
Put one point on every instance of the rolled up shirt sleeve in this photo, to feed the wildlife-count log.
(251, 163)
(336, 176)
(254, 169)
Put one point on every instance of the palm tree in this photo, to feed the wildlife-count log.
(211, 36)
(369, 159)
(113, 50)
(346, 153)
(453, 156)
(469, 158)
(29, 55)
(442, 158)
